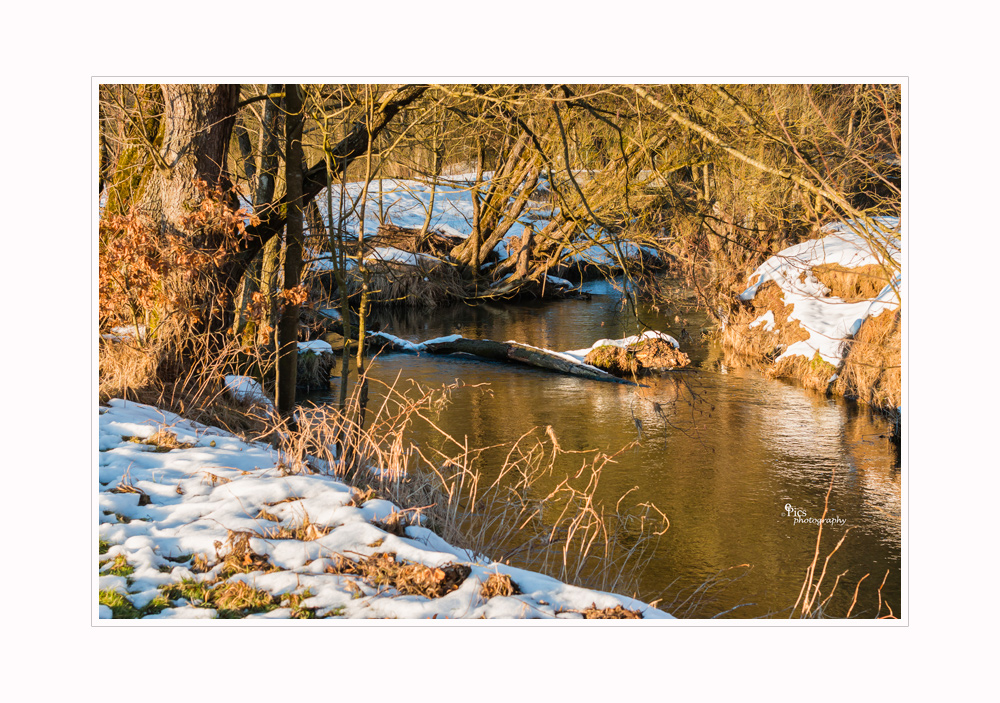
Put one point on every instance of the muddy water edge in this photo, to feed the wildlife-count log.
(740, 464)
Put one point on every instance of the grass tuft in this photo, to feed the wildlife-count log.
(119, 566)
(499, 585)
(238, 557)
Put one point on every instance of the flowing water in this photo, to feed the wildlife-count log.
(723, 452)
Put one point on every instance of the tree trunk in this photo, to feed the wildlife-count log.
(194, 137)
(314, 179)
(524, 253)
(198, 124)
(288, 327)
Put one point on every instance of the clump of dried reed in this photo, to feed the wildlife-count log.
(762, 343)
(132, 370)
(314, 369)
(809, 603)
(815, 373)
(424, 285)
(852, 284)
(872, 370)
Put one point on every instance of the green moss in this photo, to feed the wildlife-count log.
(820, 365)
(614, 360)
(135, 169)
(188, 589)
(103, 546)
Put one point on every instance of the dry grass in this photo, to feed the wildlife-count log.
(425, 285)
(124, 368)
(165, 439)
(703, 600)
(852, 285)
(562, 530)
(657, 354)
(499, 585)
(595, 613)
(872, 370)
(126, 486)
(643, 357)
(614, 360)
(755, 346)
(238, 557)
(814, 373)
(314, 370)
(305, 531)
(808, 603)
(137, 372)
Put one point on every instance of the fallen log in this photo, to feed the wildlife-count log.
(501, 351)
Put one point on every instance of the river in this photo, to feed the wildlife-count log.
(740, 464)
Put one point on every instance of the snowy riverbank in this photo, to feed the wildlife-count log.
(196, 523)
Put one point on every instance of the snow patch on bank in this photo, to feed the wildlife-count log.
(247, 390)
(829, 320)
(196, 497)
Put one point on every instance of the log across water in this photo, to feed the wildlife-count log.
(508, 352)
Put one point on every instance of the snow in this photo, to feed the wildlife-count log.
(414, 346)
(767, 319)
(323, 261)
(198, 496)
(246, 390)
(316, 346)
(391, 255)
(829, 320)
(841, 246)
(405, 203)
(126, 332)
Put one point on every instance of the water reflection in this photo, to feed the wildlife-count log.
(721, 454)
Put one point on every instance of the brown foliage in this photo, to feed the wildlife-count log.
(130, 270)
